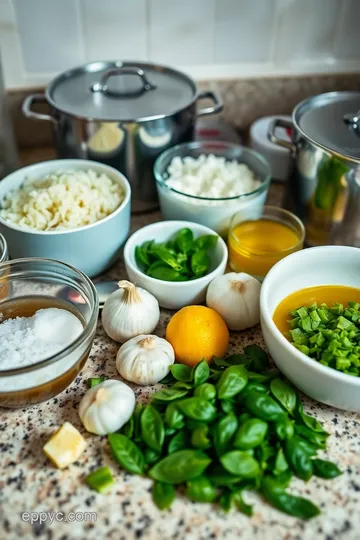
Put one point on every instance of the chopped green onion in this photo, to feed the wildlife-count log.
(329, 335)
(93, 381)
(100, 480)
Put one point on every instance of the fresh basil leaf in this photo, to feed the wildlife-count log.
(200, 263)
(181, 372)
(263, 377)
(237, 497)
(173, 417)
(225, 501)
(201, 373)
(284, 394)
(206, 391)
(281, 465)
(318, 439)
(223, 432)
(284, 428)
(205, 242)
(298, 456)
(231, 382)
(250, 434)
(240, 464)
(151, 456)
(128, 428)
(198, 409)
(264, 407)
(221, 477)
(238, 359)
(163, 495)
(258, 356)
(178, 442)
(326, 469)
(169, 378)
(199, 437)
(308, 421)
(137, 417)
(169, 394)
(227, 405)
(141, 257)
(180, 467)
(127, 453)
(200, 490)
(165, 255)
(184, 240)
(164, 273)
(294, 506)
(152, 428)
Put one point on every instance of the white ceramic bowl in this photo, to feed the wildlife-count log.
(327, 265)
(174, 294)
(91, 249)
(213, 213)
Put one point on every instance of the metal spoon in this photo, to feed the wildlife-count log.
(103, 288)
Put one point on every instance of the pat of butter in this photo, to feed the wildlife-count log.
(65, 446)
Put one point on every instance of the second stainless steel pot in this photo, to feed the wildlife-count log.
(123, 114)
(324, 187)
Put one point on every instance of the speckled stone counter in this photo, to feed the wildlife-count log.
(29, 483)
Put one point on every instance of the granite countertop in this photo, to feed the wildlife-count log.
(29, 483)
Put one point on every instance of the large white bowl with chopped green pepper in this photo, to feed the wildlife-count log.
(174, 294)
(326, 265)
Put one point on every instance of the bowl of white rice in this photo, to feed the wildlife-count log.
(209, 181)
(72, 210)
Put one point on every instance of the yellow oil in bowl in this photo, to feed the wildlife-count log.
(256, 245)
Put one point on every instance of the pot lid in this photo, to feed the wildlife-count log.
(332, 121)
(121, 91)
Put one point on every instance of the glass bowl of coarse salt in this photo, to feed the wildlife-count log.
(45, 334)
(207, 182)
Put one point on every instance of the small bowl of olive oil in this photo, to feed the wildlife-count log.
(256, 245)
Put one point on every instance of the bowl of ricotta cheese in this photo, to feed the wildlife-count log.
(207, 182)
(45, 340)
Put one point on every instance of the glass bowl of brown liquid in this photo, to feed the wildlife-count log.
(29, 285)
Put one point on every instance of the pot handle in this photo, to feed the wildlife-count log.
(103, 87)
(27, 104)
(280, 122)
(218, 104)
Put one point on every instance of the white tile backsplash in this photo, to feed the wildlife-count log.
(207, 38)
(49, 34)
(243, 30)
(114, 29)
(306, 29)
(348, 37)
(181, 32)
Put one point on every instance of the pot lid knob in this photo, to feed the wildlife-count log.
(353, 121)
(102, 85)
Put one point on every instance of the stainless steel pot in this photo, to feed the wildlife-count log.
(324, 186)
(123, 114)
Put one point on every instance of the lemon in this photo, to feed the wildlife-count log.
(197, 332)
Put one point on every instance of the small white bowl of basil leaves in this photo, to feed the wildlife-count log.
(175, 261)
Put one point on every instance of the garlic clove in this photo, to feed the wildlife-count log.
(145, 359)
(130, 311)
(106, 407)
(236, 297)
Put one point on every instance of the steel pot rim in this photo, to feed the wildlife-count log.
(104, 64)
(298, 111)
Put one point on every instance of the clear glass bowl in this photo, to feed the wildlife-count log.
(255, 253)
(32, 282)
(4, 254)
(213, 213)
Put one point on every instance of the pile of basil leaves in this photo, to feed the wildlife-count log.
(220, 430)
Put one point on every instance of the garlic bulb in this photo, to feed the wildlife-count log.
(130, 311)
(236, 297)
(145, 359)
(106, 407)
